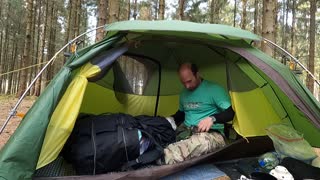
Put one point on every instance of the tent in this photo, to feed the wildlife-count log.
(133, 70)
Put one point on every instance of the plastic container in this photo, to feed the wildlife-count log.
(316, 162)
(281, 173)
(268, 160)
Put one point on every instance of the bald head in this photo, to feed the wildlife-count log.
(190, 66)
(189, 76)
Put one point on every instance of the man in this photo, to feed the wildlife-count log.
(202, 104)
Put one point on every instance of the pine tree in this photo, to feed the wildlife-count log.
(26, 51)
(268, 24)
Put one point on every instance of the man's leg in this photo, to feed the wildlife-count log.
(183, 132)
(197, 145)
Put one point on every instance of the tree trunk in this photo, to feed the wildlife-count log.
(135, 9)
(256, 17)
(268, 24)
(52, 40)
(234, 13)
(1, 62)
(293, 29)
(286, 26)
(34, 47)
(313, 10)
(6, 65)
(145, 13)
(13, 58)
(257, 21)
(1, 7)
(83, 18)
(26, 51)
(50, 9)
(102, 19)
(77, 18)
(161, 9)
(124, 11)
(72, 17)
(284, 29)
(292, 50)
(42, 38)
(244, 14)
(276, 24)
(181, 9)
(1, 38)
(1, 33)
(215, 6)
(128, 9)
(5, 57)
(40, 60)
(69, 24)
(11, 66)
(113, 11)
(5, 49)
(212, 7)
(38, 42)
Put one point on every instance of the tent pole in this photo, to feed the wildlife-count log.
(14, 109)
(158, 91)
(295, 59)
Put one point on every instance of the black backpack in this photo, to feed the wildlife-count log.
(110, 142)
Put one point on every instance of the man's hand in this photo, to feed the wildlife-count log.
(205, 124)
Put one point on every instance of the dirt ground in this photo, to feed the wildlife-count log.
(6, 105)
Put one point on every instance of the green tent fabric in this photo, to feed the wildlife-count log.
(20, 154)
(133, 70)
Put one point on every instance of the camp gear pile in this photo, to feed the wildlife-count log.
(103, 143)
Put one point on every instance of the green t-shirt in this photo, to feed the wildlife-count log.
(207, 99)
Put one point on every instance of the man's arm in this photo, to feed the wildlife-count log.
(224, 116)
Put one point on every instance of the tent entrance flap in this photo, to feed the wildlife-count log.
(64, 116)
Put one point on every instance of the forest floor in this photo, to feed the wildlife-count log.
(6, 105)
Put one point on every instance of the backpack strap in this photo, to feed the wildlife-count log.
(147, 157)
(121, 134)
(94, 148)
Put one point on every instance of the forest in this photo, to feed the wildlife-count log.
(32, 31)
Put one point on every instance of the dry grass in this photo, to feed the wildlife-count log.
(6, 105)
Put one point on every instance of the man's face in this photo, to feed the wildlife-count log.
(188, 79)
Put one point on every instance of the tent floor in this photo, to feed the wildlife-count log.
(240, 153)
(237, 167)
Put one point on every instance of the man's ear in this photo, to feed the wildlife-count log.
(198, 75)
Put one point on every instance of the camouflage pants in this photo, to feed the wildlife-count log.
(198, 144)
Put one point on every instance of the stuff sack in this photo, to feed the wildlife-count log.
(158, 127)
(109, 142)
(290, 143)
(102, 143)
